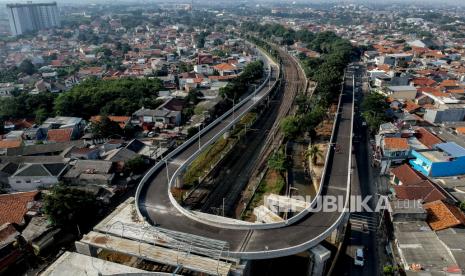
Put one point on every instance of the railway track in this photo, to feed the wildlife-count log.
(221, 192)
(295, 82)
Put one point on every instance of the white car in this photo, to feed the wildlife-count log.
(359, 257)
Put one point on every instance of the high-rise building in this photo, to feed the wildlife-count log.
(32, 17)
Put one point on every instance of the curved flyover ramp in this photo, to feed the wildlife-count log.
(248, 241)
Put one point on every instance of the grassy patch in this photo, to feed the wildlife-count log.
(213, 153)
(272, 183)
(206, 159)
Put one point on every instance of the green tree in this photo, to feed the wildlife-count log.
(136, 165)
(290, 126)
(374, 111)
(66, 207)
(313, 152)
(111, 97)
(27, 67)
(462, 206)
(106, 128)
(389, 270)
(192, 131)
(278, 162)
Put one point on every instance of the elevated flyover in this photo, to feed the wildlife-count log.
(251, 241)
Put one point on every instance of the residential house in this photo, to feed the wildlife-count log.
(204, 69)
(61, 122)
(32, 176)
(396, 148)
(445, 113)
(85, 153)
(122, 121)
(40, 234)
(443, 215)
(445, 159)
(226, 69)
(90, 172)
(166, 115)
(427, 138)
(410, 185)
(10, 252)
(15, 206)
(394, 59)
(59, 135)
(404, 92)
(9, 144)
(204, 58)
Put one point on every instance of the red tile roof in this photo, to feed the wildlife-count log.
(415, 186)
(431, 90)
(8, 144)
(411, 106)
(456, 91)
(443, 215)
(60, 135)
(13, 207)
(407, 175)
(420, 192)
(448, 83)
(427, 138)
(423, 81)
(396, 143)
(460, 130)
(121, 120)
(224, 67)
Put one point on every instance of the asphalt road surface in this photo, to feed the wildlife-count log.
(158, 209)
(363, 224)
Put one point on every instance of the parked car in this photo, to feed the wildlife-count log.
(359, 257)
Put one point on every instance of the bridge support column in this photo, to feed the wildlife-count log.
(178, 182)
(226, 134)
(338, 234)
(85, 249)
(319, 255)
(241, 269)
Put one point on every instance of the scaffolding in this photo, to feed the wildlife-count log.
(184, 244)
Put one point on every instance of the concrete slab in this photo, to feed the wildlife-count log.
(75, 264)
(265, 215)
(157, 254)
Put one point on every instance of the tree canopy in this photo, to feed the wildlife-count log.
(238, 86)
(27, 67)
(374, 108)
(105, 128)
(66, 206)
(326, 70)
(110, 97)
(23, 105)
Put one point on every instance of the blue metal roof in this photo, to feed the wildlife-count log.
(452, 149)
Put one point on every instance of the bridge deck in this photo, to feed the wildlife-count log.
(254, 244)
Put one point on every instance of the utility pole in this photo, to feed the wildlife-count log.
(198, 133)
(223, 206)
(167, 173)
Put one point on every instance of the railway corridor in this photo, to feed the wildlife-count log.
(249, 241)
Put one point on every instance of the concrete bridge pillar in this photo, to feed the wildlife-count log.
(85, 249)
(338, 234)
(227, 134)
(319, 255)
(178, 183)
(241, 269)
